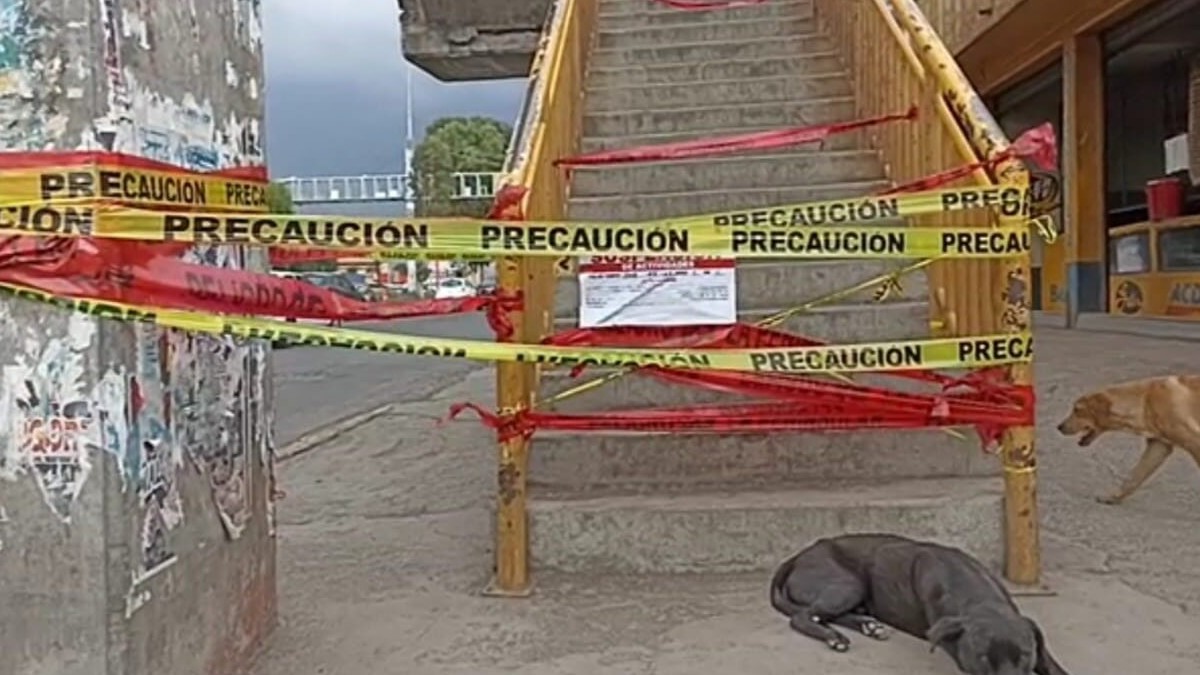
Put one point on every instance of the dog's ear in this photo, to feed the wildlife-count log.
(945, 629)
(1044, 663)
(1097, 406)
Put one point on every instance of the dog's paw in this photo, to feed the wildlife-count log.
(875, 630)
(838, 644)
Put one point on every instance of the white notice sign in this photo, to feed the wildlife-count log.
(634, 291)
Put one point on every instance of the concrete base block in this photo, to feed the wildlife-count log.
(484, 56)
(713, 532)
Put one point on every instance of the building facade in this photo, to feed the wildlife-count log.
(1118, 78)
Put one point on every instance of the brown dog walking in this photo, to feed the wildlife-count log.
(1163, 410)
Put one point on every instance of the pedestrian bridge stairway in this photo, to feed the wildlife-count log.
(672, 502)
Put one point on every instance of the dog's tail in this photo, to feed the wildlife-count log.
(780, 600)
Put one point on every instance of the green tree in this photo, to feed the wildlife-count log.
(279, 200)
(452, 145)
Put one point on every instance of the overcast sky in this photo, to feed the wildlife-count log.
(335, 89)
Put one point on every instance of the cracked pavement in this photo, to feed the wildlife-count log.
(385, 544)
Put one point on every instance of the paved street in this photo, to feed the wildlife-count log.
(317, 387)
(385, 539)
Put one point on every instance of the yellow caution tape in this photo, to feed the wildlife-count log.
(969, 352)
(138, 187)
(406, 238)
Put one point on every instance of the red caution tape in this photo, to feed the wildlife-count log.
(1037, 145)
(982, 399)
(283, 257)
(816, 415)
(143, 274)
(763, 140)
(40, 159)
(508, 204)
(708, 5)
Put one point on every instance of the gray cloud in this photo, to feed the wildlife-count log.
(335, 89)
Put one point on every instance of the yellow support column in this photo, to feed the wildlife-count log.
(1013, 289)
(512, 394)
(1083, 173)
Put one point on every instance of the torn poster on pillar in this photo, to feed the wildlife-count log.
(53, 419)
(157, 457)
(208, 417)
(261, 422)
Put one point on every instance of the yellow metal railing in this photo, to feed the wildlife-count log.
(897, 60)
(551, 129)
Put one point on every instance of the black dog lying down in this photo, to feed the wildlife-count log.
(926, 590)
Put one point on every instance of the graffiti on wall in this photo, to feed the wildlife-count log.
(153, 451)
(262, 423)
(210, 407)
(13, 27)
(24, 120)
(55, 423)
(110, 20)
(247, 23)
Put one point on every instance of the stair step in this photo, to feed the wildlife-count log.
(763, 285)
(727, 172)
(847, 141)
(565, 462)
(709, 31)
(841, 324)
(708, 51)
(791, 87)
(681, 74)
(641, 13)
(754, 530)
(679, 204)
(772, 113)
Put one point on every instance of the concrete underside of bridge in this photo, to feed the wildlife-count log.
(472, 39)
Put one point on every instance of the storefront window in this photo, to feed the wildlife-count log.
(1129, 254)
(1179, 250)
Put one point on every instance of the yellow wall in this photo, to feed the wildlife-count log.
(1165, 294)
(1172, 294)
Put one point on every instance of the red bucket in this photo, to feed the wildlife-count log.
(1164, 198)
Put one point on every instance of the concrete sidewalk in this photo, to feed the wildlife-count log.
(385, 542)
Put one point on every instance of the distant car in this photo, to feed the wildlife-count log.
(358, 281)
(453, 287)
(486, 289)
(337, 283)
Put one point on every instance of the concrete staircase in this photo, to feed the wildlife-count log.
(626, 502)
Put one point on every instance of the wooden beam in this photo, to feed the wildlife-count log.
(1083, 172)
(1031, 36)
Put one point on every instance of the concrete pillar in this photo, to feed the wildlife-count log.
(140, 541)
